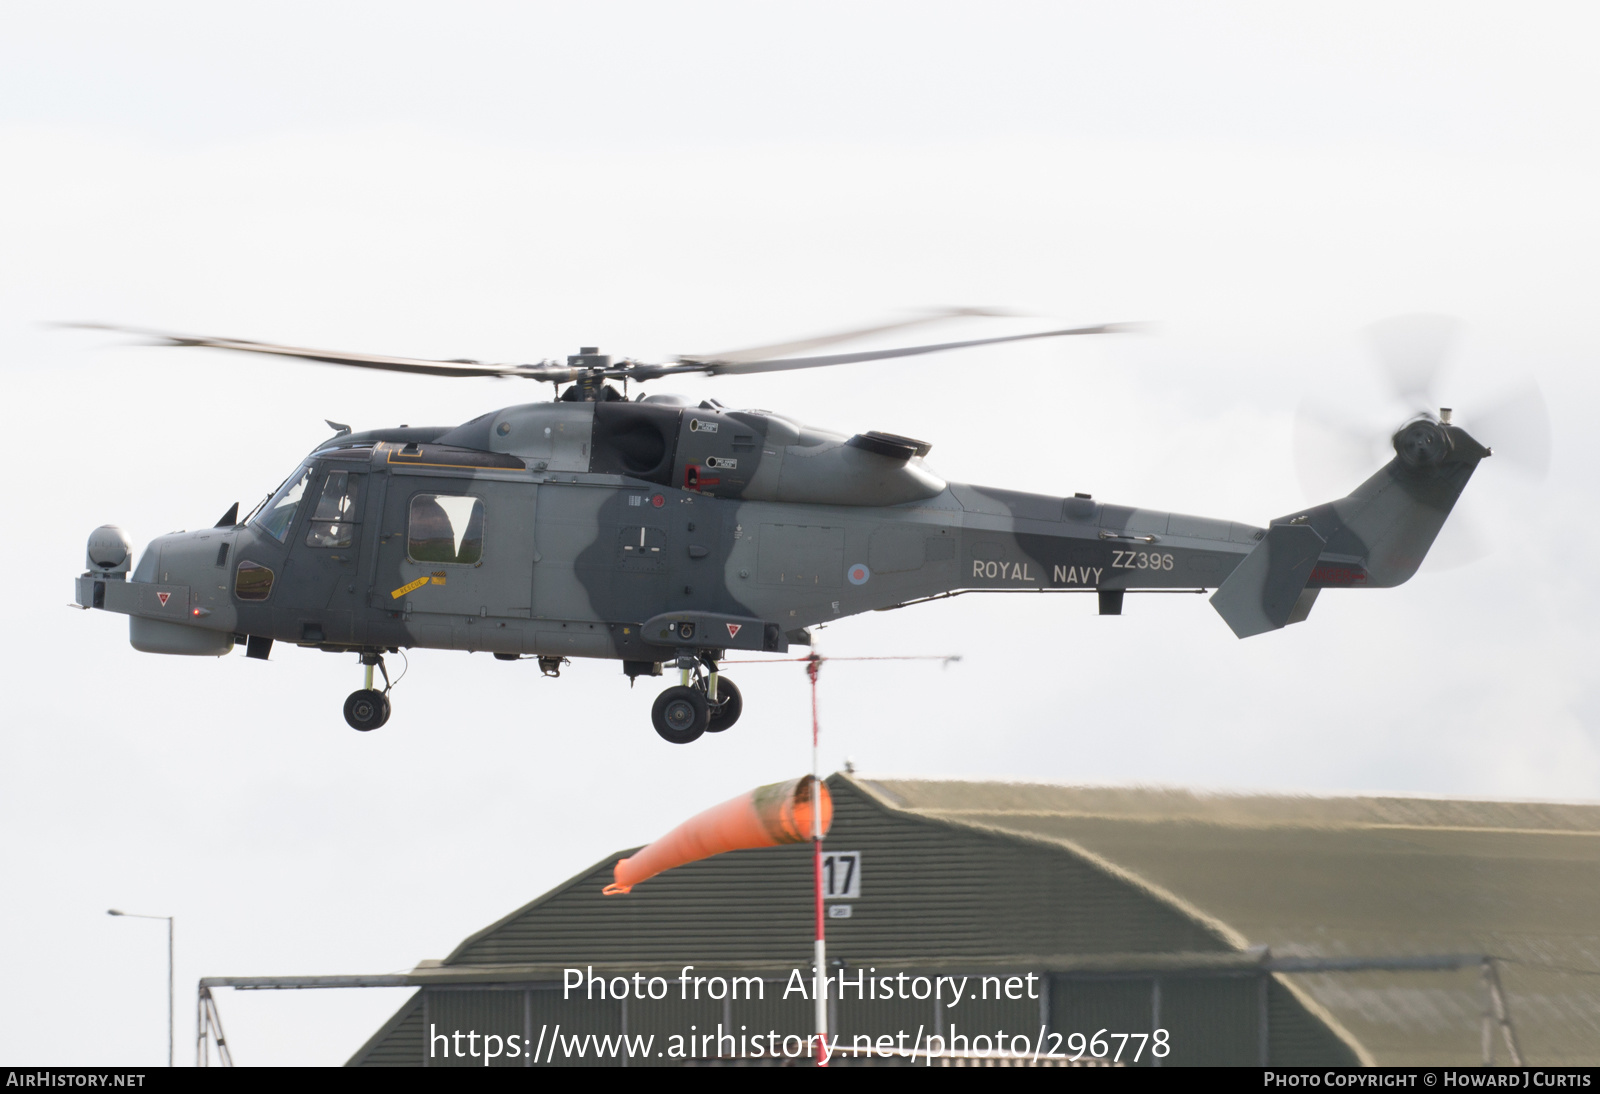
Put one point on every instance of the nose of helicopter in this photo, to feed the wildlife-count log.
(176, 598)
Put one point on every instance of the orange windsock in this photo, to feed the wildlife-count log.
(765, 817)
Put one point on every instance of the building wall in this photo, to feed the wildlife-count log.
(1209, 1019)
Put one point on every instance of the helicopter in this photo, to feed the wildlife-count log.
(663, 532)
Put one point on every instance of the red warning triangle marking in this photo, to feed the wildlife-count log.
(733, 629)
(163, 597)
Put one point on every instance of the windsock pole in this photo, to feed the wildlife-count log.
(820, 956)
(820, 952)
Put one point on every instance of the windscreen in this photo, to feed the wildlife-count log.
(278, 514)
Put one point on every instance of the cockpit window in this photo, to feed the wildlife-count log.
(276, 516)
(333, 522)
(445, 528)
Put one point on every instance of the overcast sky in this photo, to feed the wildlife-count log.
(508, 182)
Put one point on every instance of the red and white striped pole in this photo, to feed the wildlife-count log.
(813, 663)
(820, 955)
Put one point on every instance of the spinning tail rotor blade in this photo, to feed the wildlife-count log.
(1411, 350)
(1336, 449)
(1517, 427)
(1333, 451)
(1462, 541)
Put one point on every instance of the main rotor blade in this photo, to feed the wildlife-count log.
(559, 374)
(739, 368)
(554, 373)
(778, 349)
(1411, 350)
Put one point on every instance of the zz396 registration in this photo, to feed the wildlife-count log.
(1140, 560)
(1103, 1044)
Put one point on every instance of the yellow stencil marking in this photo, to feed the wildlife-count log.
(436, 578)
(412, 587)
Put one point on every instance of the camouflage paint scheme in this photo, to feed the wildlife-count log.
(643, 530)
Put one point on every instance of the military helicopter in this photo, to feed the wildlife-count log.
(659, 531)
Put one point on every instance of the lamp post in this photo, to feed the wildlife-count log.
(169, 919)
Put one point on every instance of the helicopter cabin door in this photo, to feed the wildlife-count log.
(456, 562)
(323, 581)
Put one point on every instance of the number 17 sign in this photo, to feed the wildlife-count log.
(841, 875)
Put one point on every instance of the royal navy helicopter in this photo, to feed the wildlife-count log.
(659, 531)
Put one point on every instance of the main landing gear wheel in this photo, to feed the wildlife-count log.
(727, 707)
(680, 715)
(369, 708)
(366, 709)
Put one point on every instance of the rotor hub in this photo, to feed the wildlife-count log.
(1423, 444)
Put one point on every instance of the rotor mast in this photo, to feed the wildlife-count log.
(590, 370)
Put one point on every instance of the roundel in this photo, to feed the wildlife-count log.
(858, 574)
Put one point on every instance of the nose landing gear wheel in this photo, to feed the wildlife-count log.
(680, 715)
(727, 708)
(366, 709)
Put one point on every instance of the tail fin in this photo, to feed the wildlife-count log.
(1376, 537)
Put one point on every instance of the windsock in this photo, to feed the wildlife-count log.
(765, 817)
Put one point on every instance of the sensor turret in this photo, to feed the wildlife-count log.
(110, 550)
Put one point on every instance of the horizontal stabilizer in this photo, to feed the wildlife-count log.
(1261, 593)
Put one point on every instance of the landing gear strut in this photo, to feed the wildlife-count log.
(368, 708)
(703, 702)
(725, 706)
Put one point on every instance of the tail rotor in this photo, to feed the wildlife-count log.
(1336, 447)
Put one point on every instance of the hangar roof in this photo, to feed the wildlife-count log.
(1345, 877)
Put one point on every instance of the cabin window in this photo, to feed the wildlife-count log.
(278, 514)
(445, 528)
(332, 524)
(252, 581)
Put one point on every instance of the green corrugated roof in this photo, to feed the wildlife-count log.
(1352, 876)
(933, 892)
